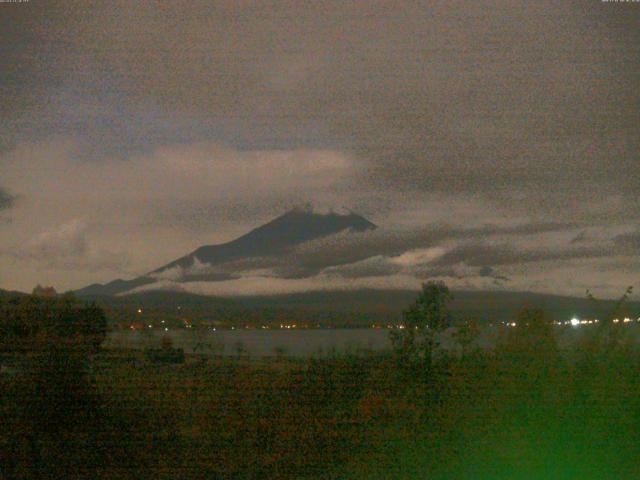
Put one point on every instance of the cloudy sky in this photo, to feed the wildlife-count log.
(496, 143)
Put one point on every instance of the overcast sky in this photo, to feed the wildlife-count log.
(496, 143)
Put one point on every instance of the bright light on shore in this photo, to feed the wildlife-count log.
(575, 322)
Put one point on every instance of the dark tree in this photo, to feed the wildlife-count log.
(30, 324)
(50, 399)
(428, 315)
(611, 314)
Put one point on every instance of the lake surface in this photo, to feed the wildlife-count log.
(307, 342)
(260, 343)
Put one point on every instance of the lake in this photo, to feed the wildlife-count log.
(307, 342)
(266, 342)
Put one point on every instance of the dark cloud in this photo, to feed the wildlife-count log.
(6, 200)
(481, 254)
(423, 252)
(579, 238)
(486, 271)
(471, 96)
(525, 109)
(629, 242)
(369, 267)
(347, 249)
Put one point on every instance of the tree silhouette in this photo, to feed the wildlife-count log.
(52, 339)
(428, 315)
(609, 333)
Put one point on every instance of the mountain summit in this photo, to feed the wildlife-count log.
(274, 238)
(294, 227)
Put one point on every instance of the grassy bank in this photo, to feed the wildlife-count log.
(508, 414)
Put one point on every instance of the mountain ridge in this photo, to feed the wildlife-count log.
(484, 306)
(275, 237)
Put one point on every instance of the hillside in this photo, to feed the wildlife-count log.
(367, 306)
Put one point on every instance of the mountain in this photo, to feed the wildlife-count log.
(293, 228)
(275, 238)
(276, 243)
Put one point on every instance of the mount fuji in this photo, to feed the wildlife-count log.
(275, 239)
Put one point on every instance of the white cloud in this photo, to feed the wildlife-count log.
(80, 222)
(419, 256)
(67, 247)
(153, 207)
(66, 240)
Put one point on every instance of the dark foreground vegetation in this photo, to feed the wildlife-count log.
(525, 410)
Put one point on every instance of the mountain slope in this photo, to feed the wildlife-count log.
(293, 228)
(272, 239)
